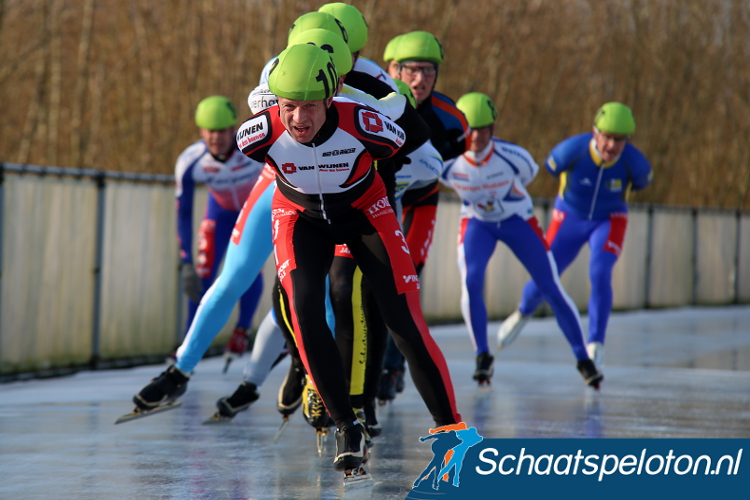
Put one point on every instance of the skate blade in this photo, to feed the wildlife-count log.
(226, 364)
(485, 386)
(321, 433)
(217, 419)
(355, 479)
(138, 413)
(284, 422)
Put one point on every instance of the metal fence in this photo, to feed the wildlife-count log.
(89, 272)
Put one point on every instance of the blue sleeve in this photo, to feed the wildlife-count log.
(640, 168)
(567, 153)
(185, 195)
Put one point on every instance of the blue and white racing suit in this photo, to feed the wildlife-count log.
(591, 207)
(496, 207)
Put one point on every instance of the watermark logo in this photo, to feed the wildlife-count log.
(449, 447)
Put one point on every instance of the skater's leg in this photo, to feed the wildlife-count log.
(400, 304)
(526, 244)
(565, 237)
(249, 303)
(605, 243)
(269, 344)
(247, 253)
(346, 309)
(306, 255)
(476, 243)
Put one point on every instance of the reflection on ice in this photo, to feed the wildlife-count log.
(666, 375)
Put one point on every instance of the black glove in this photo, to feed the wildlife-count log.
(191, 282)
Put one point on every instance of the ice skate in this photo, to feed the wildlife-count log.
(356, 478)
(485, 369)
(510, 329)
(236, 346)
(590, 374)
(351, 447)
(387, 388)
(596, 353)
(313, 409)
(139, 413)
(289, 397)
(245, 395)
(284, 422)
(159, 395)
(315, 414)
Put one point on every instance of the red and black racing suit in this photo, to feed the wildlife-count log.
(329, 193)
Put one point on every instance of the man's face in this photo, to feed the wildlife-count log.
(392, 69)
(610, 146)
(303, 119)
(480, 137)
(420, 76)
(220, 142)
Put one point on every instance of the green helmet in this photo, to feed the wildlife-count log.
(478, 108)
(615, 118)
(405, 90)
(331, 43)
(353, 21)
(390, 48)
(418, 46)
(215, 113)
(303, 72)
(316, 19)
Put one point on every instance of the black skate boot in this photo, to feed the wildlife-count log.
(164, 389)
(485, 369)
(387, 388)
(351, 450)
(290, 392)
(245, 395)
(590, 374)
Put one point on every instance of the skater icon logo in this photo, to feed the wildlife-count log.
(449, 447)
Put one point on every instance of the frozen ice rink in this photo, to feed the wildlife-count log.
(681, 373)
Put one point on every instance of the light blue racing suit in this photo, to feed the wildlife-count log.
(229, 181)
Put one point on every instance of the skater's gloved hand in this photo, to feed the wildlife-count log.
(191, 282)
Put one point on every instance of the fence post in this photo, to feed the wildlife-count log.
(649, 255)
(99, 180)
(696, 278)
(2, 230)
(179, 330)
(737, 256)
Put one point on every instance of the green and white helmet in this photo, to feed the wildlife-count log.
(478, 109)
(317, 19)
(303, 72)
(331, 43)
(353, 21)
(418, 46)
(215, 113)
(615, 118)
